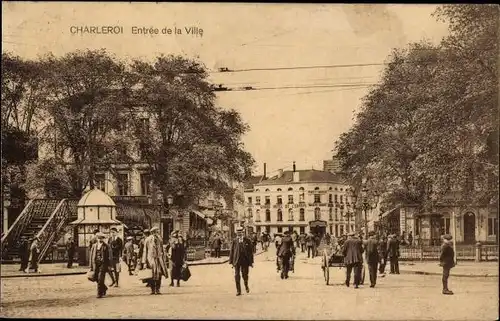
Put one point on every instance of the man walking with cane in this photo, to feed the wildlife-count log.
(241, 258)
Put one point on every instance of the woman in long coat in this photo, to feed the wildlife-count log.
(177, 254)
(153, 259)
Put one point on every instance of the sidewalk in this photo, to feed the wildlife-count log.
(54, 269)
(463, 268)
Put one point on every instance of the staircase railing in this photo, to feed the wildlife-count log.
(57, 220)
(17, 228)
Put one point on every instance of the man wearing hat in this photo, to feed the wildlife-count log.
(24, 253)
(129, 254)
(241, 258)
(447, 261)
(116, 245)
(145, 234)
(285, 252)
(34, 253)
(372, 257)
(153, 258)
(393, 253)
(70, 250)
(100, 260)
(353, 258)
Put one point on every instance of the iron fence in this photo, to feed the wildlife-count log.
(463, 252)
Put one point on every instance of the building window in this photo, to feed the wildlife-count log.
(290, 199)
(492, 226)
(316, 188)
(302, 230)
(301, 198)
(257, 200)
(301, 189)
(279, 189)
(290, 189)
(341, 199)
(123, 183)
(280, 229)
(100, 182)
(280, 215)
(330, 214)
(302, 215)
(290, 214)
(145, 181)
(250, 213)
(317, 198)
(445, 226)
(267, 189)
(331, 230)
(336, 230)
(330, 198)
(317, 214)
(268, 200)
(279, 200)
(341, 230)
(257, 216)
(336, 198)
(336, 214)
(268, 216)
(249, 200)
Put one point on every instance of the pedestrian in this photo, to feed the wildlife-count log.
(145, 234)
(116, 245)
(372, 257)
(302, 242)
(34, 254)
(353, 258)
(447, 261)
(152, 258)
(328, 239)
(417, 239)
(393, 253)
(265, 240)
(241, 258)
(285, 252)
(403, 238)
(217, 243)
(410, 238)
(177, 256)
(100, 263)
(295, 239)
(128, 254)
(24, 253)
(254, 242)
(70, 250)
(310, 245)
(382, 249)
(92, 241)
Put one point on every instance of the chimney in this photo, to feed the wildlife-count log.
(264, 171)
(296, 177)
(294, 166)
(280, 172)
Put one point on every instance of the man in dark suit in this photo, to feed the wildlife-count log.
(393, 253)
(116, 245)
(353, 258)
(24, 253)
(382, 250)
(100, 254)
(447, 261)
(241, 258)
(70, 250)
(372, 257)
(285, 251)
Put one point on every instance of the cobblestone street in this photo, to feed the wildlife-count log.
(210, 293)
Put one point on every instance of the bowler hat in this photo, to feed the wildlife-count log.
(114, 229)
(146, 231)
(447, 237)
(153, 229)
(239, 229)
(286, 232)
(100, 235)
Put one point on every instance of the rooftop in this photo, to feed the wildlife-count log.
(248, 184)
(96, 197)
(305, 176)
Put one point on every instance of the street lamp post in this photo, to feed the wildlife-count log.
(366, 204)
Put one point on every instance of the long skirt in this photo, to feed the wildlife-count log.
(175, 270)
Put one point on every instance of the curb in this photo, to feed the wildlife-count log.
(34, 275)
(37, 275)
(451, 274)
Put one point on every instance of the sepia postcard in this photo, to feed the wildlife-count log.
(256, 161)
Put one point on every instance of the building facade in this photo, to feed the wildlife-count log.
(299, 200)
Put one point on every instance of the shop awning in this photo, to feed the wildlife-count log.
(318, 223)
(389, 212)
(93, 222)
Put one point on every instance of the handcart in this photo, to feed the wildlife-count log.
(332, 258)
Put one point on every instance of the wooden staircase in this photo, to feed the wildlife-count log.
(45, 218)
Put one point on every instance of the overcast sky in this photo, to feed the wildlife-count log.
(299, 124)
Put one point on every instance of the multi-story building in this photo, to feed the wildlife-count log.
(332, 165)
(300, 200)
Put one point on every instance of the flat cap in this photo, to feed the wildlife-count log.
(130, 238)
(447, 237)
